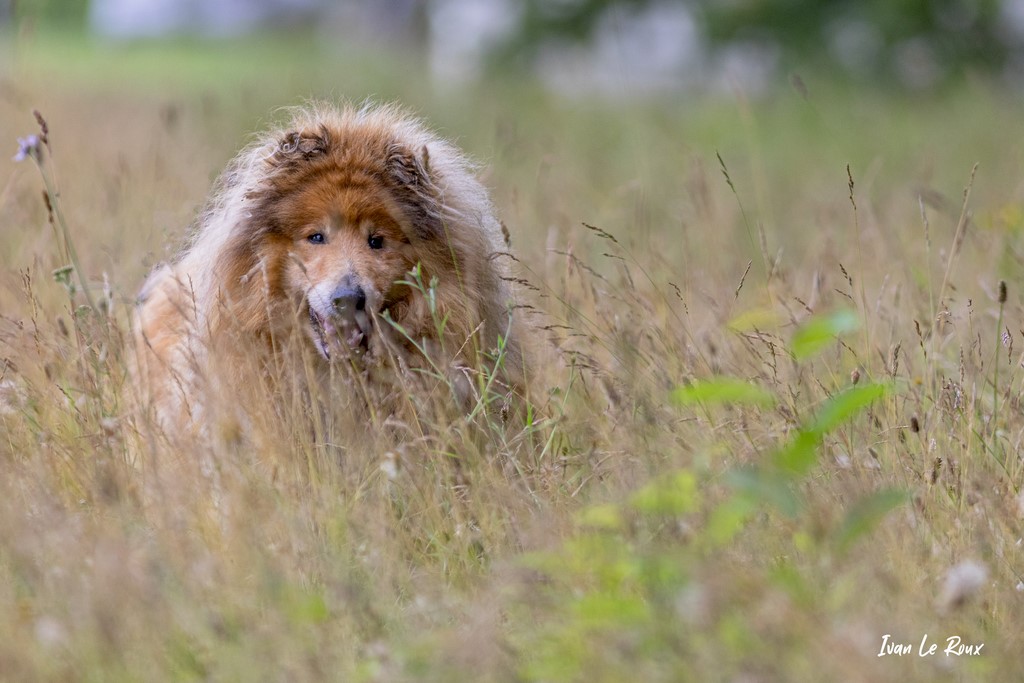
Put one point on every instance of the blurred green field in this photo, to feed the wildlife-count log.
(819, 245)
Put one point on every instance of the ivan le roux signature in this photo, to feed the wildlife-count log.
(954, 646)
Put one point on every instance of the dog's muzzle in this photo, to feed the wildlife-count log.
(344, 328)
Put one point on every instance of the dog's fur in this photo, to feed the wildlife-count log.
(354, 233)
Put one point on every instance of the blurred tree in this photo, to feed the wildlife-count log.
(911, 42)
(63, 13)
(542, 22)
(914, 42)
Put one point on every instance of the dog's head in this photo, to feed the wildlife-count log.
(337, 223)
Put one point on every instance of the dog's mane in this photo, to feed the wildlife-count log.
(424, 163)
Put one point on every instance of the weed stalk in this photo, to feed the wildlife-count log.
(995, 368)
(37, 148)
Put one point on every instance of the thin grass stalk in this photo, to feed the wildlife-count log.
(33, 148)
(995, 369)
(954, 249)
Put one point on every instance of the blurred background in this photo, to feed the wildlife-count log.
(615, 47)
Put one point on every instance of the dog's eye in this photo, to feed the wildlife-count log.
(316, 238)
(376, 242)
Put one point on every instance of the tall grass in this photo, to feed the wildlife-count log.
(724, 472)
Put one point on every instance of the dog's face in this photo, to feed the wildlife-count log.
(343, 223)
(347, 258)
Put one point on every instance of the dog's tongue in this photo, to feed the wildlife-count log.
(345, 330)
(353, 329)
(361, 327)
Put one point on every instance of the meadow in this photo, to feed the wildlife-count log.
(775, 416)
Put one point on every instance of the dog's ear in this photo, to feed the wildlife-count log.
(409, 176)
(296, 146)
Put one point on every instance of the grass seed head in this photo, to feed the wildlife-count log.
(45, 129)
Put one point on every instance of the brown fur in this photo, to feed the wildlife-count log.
(250, 276)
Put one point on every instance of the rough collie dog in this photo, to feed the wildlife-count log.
(353, 237)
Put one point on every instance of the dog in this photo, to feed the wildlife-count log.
(353, 237)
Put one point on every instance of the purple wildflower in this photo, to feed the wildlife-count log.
(28, 147)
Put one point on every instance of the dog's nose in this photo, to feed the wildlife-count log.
(348, 300)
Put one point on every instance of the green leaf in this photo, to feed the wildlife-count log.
(820, 331)
(867, 513)
(788, 577)
(755, 319)
(845, 405)
(765, 486)
(606, 517)
(610, 609)
(544, 562)
(722, 390)
(309, 607)
(729, 518)
(675, 495)
(800, 454)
